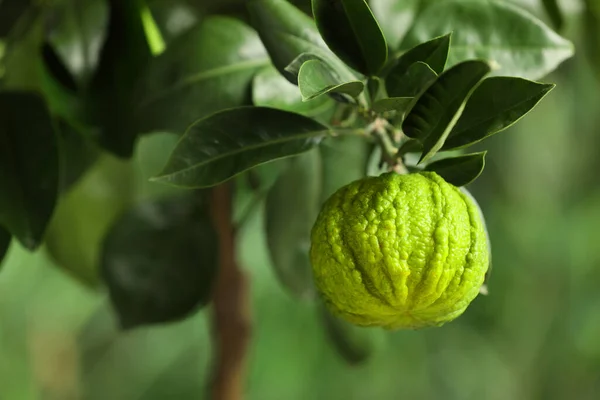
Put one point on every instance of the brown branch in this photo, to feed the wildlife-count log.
(231, 309)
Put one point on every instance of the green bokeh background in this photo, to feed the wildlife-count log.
(535, 336)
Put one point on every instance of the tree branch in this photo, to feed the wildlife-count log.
(231, 308)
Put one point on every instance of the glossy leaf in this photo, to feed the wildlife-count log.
(518, 42)
(412, 82)
(554, 12)
(293, 68)
(287, 32)
(351, 31)
(5, 239)
(84, 215)
(78, 29)
(496, 104)
(438, 108)
(28, 190)
(111, 100)
(395, 18)
(159, 261)
(292, 206)
(271, 89)
(461, 170)
(222, 145)
(353, 343)
(207, 69)
(316, 78)
(433, 52)
(392, 104)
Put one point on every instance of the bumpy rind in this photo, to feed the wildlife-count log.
(399, 251)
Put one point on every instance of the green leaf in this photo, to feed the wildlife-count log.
(77, 153)
(292, 206)
(395, 18)
(461, 170)
(316, 78)
(392, 104)
(10, 13)
(29, 166)
(84, 215)
(351, 31)
(554, 12)
(591, 23)
(496, 104)
(222, 145)
(271, 89)
(438, 108)
(411, 82)
(160, 260)
(434, 53)
(165, 12)
(207, 69)
(518, 42)
(354, 344)
(293, 68)
(111, 100)
(287, 32)
(77, 32)
(5, 239)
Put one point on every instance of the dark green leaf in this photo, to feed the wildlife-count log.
(496, 104)
(159, 261)
(438, 108)
(317, 78)
(392, 104)
(354, 344)
(395, 18)
(229, 142)
(293, 68)
(77, 31)
(461, 170)
(271, 89)
(287, 32)
(484, 289)
(376, 88)
(351, 31)
(111, 99)
(5, 239)
(518, 42)
(410, 146)
(10, 13)
(77, 154)
(85, 213)
(434, 53)
(554, 12)
(292, 206)
(29, 166)
(412, 82)
(55, 67)
(207, 69)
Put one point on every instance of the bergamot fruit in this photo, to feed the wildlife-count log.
(399, 251)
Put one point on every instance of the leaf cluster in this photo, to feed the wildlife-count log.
(290, 106)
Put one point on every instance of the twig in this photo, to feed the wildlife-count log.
(231, 311)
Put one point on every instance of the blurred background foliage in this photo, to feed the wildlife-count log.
(535, 336)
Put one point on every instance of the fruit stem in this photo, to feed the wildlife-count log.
(231, 311)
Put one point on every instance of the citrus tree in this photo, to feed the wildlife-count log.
(357, 115)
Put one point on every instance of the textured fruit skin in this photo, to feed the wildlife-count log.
(399, 251)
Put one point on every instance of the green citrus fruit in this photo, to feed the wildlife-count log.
(399, 251)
